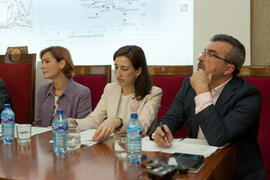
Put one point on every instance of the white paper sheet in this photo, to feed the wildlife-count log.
(187, 145)
(86, 137)
(39, 130)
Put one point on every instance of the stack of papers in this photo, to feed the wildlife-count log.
(187, 145)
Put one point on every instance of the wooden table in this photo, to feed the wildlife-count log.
(37, 161)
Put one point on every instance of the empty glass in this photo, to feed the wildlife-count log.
(74, 138)
(23, 133)
(120, 145)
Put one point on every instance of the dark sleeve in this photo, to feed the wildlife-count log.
(174, 118)
(242, 117)
(4, 95)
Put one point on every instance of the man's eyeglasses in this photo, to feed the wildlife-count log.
(212, 54)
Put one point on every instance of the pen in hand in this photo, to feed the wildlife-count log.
(165, 137)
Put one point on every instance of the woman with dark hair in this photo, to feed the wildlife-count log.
(62, 92)
(132, 92)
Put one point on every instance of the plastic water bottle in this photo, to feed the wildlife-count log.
(60, 132)
(8, 124)
(134, 140)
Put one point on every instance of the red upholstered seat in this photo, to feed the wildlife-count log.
(170, 86)
(259, 76)
(17, 78)
(263, 84)
(169, 79)
(95, 78)
(96, 84)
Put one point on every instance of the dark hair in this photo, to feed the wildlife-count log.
(143, 83)
(237, 54)
(60, 53)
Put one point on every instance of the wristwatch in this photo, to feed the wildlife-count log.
(121, 124)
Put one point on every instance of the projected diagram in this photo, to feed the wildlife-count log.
(15, 21)
(15, 13)
(100, 19)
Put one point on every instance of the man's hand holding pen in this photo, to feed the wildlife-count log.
(163, 136)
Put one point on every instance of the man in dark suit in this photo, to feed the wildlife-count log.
(219, 106)
(4, 95)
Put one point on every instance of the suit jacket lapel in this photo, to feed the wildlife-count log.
(227, 93)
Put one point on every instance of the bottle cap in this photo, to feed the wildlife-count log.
(59, 111)
(144, 156)
(7, 105)
(134, 116)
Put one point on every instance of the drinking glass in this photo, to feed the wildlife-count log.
(120, 145)
(24, 133)
(74, 138)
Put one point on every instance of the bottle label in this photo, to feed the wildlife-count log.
(7, 120)
(134, 132)
(60, 126)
